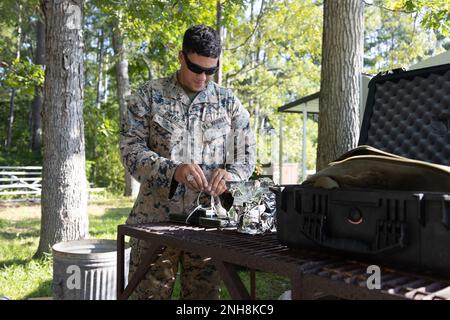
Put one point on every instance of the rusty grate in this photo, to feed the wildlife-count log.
(337, 269)
(410, 286)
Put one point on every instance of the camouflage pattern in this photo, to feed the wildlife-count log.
(163, 129)
(199, 278)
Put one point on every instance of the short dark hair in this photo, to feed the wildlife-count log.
(202, 40)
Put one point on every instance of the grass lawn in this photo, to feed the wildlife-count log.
(21, 277)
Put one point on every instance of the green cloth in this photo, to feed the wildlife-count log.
(367, 167)
(189, 93)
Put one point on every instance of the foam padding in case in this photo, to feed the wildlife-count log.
(408, 114)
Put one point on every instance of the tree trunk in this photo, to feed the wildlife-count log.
(10, 119)
(218, 75)
(64, 185)
(99, 68)
(13, 91)
(342, 54)
(105, 83)
(36, 107)
(148, 62)
(123, 90)
(98, 101)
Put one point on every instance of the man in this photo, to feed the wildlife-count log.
(182, 138)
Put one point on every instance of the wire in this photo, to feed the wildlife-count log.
(199, 206)
(195, 209)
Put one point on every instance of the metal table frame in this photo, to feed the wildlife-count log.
(311, 274)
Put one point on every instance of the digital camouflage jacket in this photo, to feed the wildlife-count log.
(163, 129)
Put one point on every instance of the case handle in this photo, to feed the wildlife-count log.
(356, 246)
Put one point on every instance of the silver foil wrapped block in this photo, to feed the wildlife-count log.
(254, 207)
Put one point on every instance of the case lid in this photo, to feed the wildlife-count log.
(408, 113)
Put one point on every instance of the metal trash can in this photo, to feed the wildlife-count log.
(86, 269)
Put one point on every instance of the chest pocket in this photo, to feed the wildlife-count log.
(215, 135)
(215, 129)
(212, 134)
(166, 134)
(171, 123)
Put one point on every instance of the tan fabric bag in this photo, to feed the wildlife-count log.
(368, 167)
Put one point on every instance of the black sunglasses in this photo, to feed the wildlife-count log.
(198, 69)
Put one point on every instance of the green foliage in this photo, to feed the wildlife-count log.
(24, 75)
(395, 38)
(19, 154)
(293, 140)
(435, 14)
(272, 57)
(102, 140)
(19, 74)
(278, 64)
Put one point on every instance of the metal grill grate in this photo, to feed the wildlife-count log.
(267, 247)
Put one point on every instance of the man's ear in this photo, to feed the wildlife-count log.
(180, 56)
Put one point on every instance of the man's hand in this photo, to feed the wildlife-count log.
(197, 182)
(217, 184)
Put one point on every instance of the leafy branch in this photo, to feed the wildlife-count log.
(258, 20)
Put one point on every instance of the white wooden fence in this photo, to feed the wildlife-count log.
(25, 181)
(20, 180)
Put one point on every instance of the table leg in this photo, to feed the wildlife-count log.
(253, 284)
(120, 276)
(296, 288)
(150, 256)
(301, 288)
(232, 281)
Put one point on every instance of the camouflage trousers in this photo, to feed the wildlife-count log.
(199, 277)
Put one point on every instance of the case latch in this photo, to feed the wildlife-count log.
(446, 211)
(420, 208)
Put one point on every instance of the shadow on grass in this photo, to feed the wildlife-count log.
(44, 290)
(28, 228)
(17, 235)
(14, 234)
(13, 262)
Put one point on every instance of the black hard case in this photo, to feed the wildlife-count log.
(407, 113)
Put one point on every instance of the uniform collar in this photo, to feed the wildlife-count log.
(208, 95)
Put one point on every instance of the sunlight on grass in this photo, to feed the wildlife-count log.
(22, 277)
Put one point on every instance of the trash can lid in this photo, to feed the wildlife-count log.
(87, 247)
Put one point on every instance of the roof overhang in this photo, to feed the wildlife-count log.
(309, 104)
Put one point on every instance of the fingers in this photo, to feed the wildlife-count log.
(211, 183)
(180, 174)
(216, 186)
(194, 184)
(221, 188)
(216, 179)
(190, 186)
(198, 181)
(204, 182)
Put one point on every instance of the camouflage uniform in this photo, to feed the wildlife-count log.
(161, 130)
